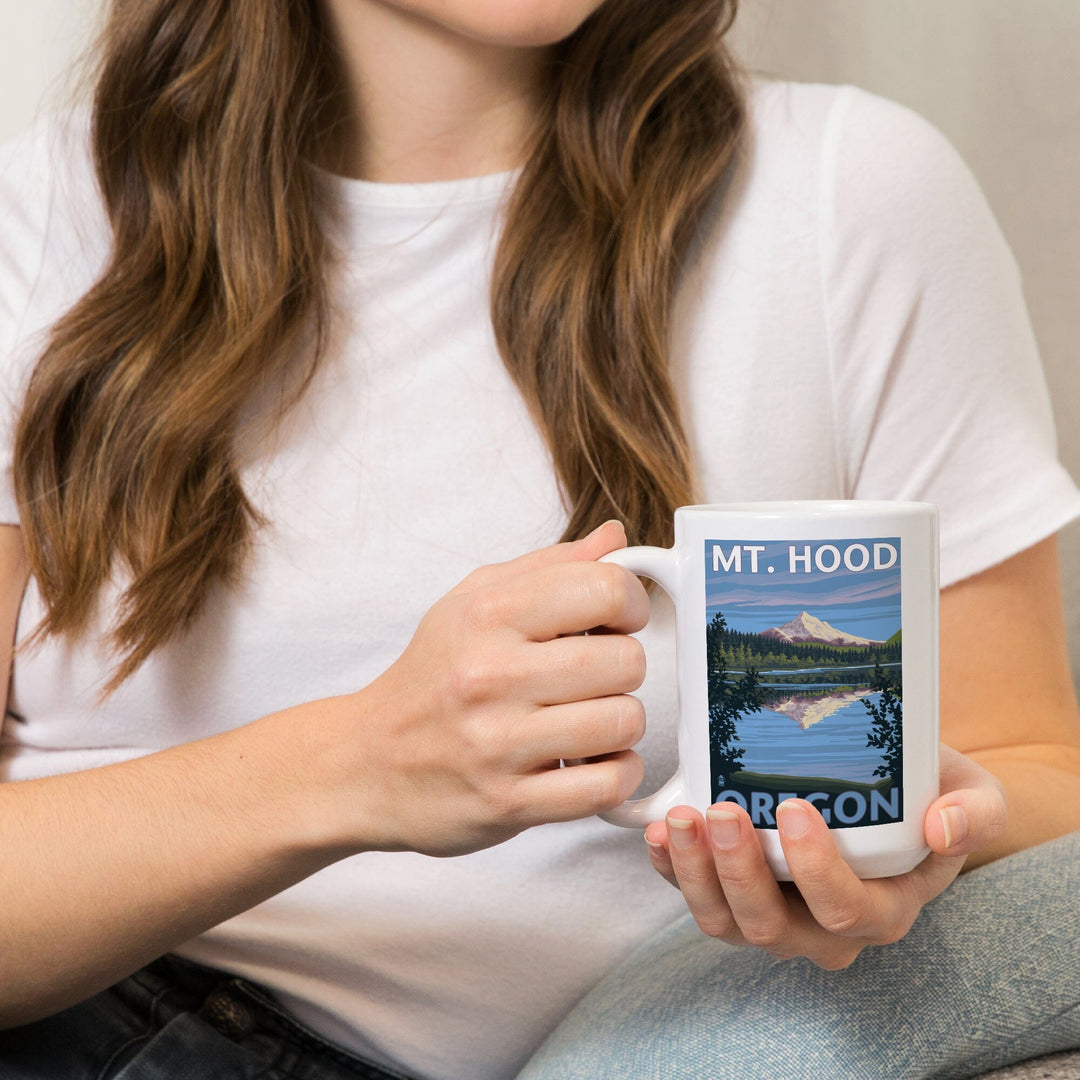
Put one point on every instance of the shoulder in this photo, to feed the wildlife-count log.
(886, 204)
(885, 259)
(55, 236)
(814, 114)
(841, 183)
(865, 157)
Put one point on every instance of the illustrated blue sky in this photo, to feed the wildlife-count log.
(863, 602)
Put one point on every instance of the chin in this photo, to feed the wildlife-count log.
(512, 23)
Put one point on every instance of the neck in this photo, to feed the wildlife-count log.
(420, 102)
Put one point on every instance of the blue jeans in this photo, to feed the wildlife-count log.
(989, 975)
(175, 1020)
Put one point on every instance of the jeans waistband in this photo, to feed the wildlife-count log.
(249, 1016)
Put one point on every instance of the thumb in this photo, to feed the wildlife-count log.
(971, 812)
(603, 539)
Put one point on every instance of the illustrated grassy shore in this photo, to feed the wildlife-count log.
(744, 782)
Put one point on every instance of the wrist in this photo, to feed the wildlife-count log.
(314, 780)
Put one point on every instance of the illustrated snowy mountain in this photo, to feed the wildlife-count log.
(807, 628)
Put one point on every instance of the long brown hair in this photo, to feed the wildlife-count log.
(204, 114)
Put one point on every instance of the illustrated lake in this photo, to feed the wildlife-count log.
(834, 746)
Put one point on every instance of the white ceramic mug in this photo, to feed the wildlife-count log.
(807, 653)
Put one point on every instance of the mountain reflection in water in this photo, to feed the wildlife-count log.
(812, 710)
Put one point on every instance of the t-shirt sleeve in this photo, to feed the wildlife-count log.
(939, 390)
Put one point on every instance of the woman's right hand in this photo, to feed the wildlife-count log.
(457, 746)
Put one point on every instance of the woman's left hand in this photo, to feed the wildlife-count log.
(826, 913)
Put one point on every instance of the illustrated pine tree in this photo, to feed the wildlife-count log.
(887, 725)
(729, 698)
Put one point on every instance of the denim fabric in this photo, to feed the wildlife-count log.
(175, 1020)
(990, 974)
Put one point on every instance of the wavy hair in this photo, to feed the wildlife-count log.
(204, 114)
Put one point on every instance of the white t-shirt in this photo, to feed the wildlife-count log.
(851, 326)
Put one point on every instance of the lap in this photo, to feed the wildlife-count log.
(989, 974)
(177, 1019)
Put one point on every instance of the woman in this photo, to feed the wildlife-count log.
(273, 429)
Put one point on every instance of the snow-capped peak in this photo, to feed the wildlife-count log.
(809, 628)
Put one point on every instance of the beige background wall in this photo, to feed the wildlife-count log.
(38, 41)
(997, 76)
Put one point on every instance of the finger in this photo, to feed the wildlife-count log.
(579, 791)
(960, 771)
(577, 668)
(965, 821)
(931, 877)
(585, 729)
(756, 903)
(971, 812)
(555, 601)
(572, 597)
(840, 903)
(656, 844)
(692, 862)
(552, 672)
(602, 540)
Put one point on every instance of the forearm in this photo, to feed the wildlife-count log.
(450, 750)
(104, 870)
(1042, 785)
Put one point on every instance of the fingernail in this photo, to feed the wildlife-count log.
(610, 521)
(656, 849)
(955, 823)
(681, 833)
(723, 828)
(793, 820)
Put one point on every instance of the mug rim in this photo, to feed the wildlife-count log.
(809, 507)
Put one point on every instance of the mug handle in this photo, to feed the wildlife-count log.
(661, 565)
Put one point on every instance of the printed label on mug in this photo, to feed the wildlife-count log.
(805, 679)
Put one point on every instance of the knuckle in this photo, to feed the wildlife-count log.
(740, 880)
(633, 772)
(607, 791)
(716, 925)
(475, 679)
(617, 779)
(843, 921)
(484, 610)
(769, 935)
(815, 874)
(638, 606)
(894, 930)
(630, 720)
(479, 578)
(610, 591)
(504, 803)
(486, 742)
(631, 662)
